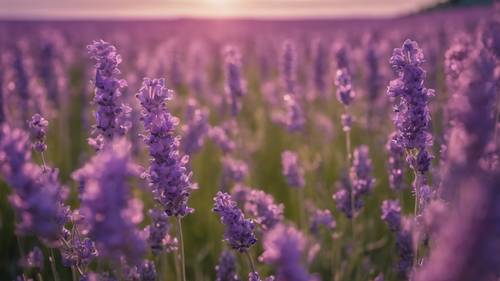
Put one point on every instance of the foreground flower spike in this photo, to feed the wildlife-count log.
(291, 169)
(284, 248)
(107, 93)
(226, 269)
(470, 229)
(474, 125)
(37, 195)
(168, 175)
(110, 213)
(412, 117)
(235, 86)
(38, 131)
(289, 67)
(239, 231)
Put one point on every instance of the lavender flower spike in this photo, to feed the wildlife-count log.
(261, 205)
(289, 67)
(107, 93)
(37, 195)
(345, 93)
(291, 169)
(412, 116)
(283, 248)
(110, 213)
(239, 231)
(396, 163)
(235, 85)
(168, 175)
(361, 171)
(158, 238)
(38, 130)
(226, 269)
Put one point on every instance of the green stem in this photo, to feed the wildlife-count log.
(181, 247)
(250, 261)
(53, 265)
(74, 274)
(39, 276)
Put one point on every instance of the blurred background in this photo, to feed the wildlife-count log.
(45, 60)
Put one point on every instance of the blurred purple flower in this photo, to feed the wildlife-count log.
(324, 218)
(284, 248)
(263, 208)
(235, 85)
(291, 169)
(158, 238)
(110, 213)
(226, 269)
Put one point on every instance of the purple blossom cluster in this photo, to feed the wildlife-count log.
(37, 195)
(110, 121)
(235, 86)
(168, 175)
(111, 214)
(226, 269)
(292, 170)
(38, 131)
(284, 248)
(239, 232)
(412, 115)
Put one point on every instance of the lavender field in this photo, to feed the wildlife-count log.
(236, 149)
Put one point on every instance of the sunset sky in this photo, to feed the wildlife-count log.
(206, 8)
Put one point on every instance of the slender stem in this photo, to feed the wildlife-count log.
(181, 247)
(74, 274)
(348, 146)
(415, 211)
(39, 276)
(250, 261)
(43, 161)
(20, 246)
(53, 265)
(300, 196)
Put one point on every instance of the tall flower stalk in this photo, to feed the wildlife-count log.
(168, 174)
(412, 116)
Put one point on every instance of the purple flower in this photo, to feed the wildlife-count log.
(107, 93)
(196, 128)
(345, 93)
(235, 86)
(289, 67)
(233, 170)
(346, 121)
(226, 269)
(343, 198)
(78, 251)
(34, 259)
(412, 116)
(291, 169)
(284, 247)
(239, 231)
(391, 214)
(341, 57)
(404, 245)
(466, 243)
(168, 175)
(320, 67)
(37, 194)
(110, 213)
(322, 217)
(395, 163)
(220, 135)
(474, 123)
(262, 206)
(158, 238)
(294, 118)
(38, 130)
(361, 171)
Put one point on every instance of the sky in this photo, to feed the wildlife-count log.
(207, 8)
